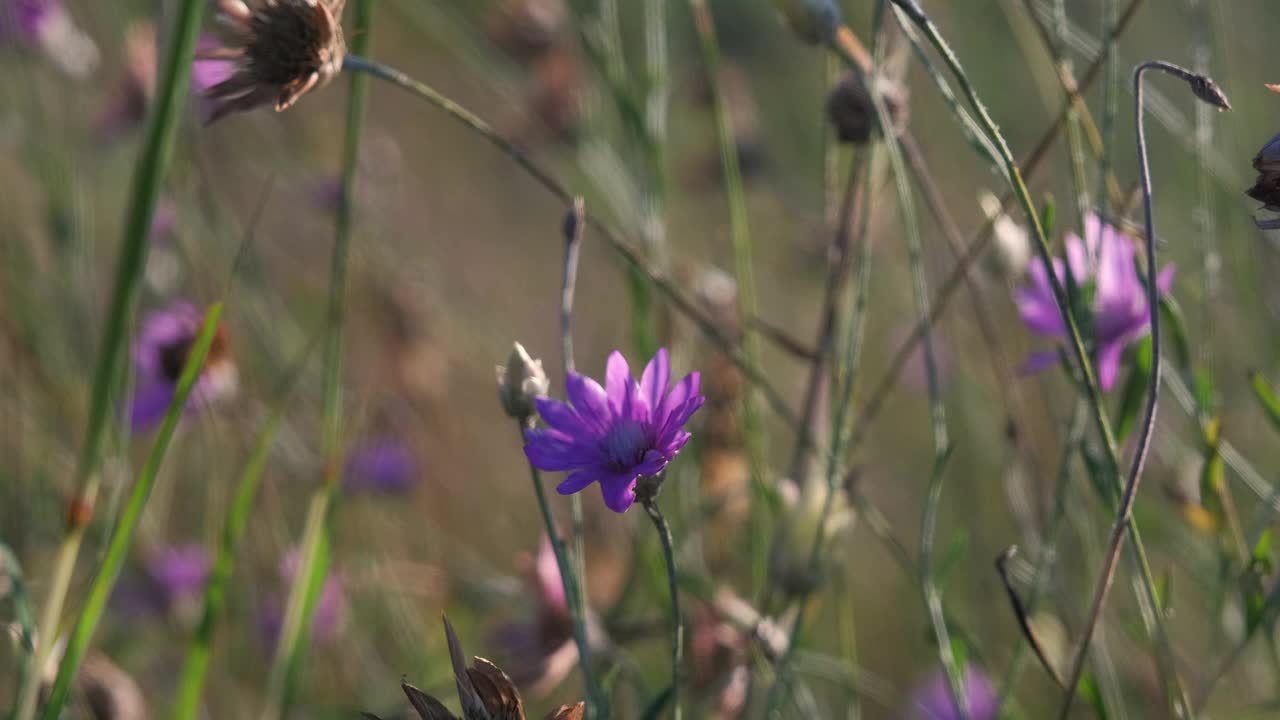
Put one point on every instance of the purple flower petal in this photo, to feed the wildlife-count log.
(148, 405)
(1109, 364)
(656, 378)
(619, 491)
(616, 376)
(577, 481)
(559, 416)
(589, 400)
(552, 452)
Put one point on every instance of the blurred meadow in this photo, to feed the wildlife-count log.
(839, 510)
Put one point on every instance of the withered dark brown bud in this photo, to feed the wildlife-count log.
(282, 49)
(1266, 189)
(853, 114)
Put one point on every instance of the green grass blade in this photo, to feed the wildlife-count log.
(122, 538)
(170, 97)
(314, 553)
(195, 669)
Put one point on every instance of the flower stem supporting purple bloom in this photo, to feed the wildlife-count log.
(648, 498)
(597, 708)
(575, 226)
(1207, 91)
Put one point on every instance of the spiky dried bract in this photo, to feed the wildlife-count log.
(568, 712)
(485, 691)
(282, 50)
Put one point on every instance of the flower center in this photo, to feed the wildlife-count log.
(625, 444)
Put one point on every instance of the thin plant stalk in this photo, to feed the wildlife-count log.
(314, 552)
(629, 253)
(597, 707)
(572, 253)
(910, 10)
(1205, 90)
(933, 595)
(122, 538)
(981, 239)
(651, 508)
(195, 669)
(157, 149)
(744, 276)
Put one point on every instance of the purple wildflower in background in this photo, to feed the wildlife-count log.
(159, 354)
(1103, 267)
(932, 699)
(380, 465)
(615, 434)
(46, 24)
(330, 611)
(180, 572)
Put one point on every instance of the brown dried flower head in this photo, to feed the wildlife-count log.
(282, 50)
(853, 114)
(486, 693)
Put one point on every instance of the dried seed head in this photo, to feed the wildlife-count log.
(282, 50)
(520, 382)
(853, 114)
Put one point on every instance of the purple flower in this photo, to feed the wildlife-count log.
(24, 21)
(180, 572)
(46, 24)
(380, 465)
(1103, 267)
(159, 354)
(932, 700)
(615, 434)
(330, 611)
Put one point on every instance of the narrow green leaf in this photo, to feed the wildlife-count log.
(1134, 391)
(122, 538)
(655, 707)
(1266, 395)
(194, 670)
(1176, 325)
(1092, 694)
(1048, 214)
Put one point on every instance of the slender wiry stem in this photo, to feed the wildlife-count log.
(650, 504)
(744, 277)
(597, 708)
(1207, 91)
(978, 246)
(629, 253)
(575, 224)
(313, 554)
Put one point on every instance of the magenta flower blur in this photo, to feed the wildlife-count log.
(1103, 267)
(932, 700)
(615, 434)
(330, 613)
(180, 572)
(159, 353)
(46, 24)
(380, 465)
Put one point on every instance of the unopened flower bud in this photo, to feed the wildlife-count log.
(519, 382)
(813, 21)
(853, 114)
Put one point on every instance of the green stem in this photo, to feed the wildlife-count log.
(677, 626)
(122, 538)
(195, 670)
(597, 708)
(313, 557)
(157, 149)
(744, 275)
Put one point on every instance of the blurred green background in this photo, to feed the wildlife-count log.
(457, 254)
